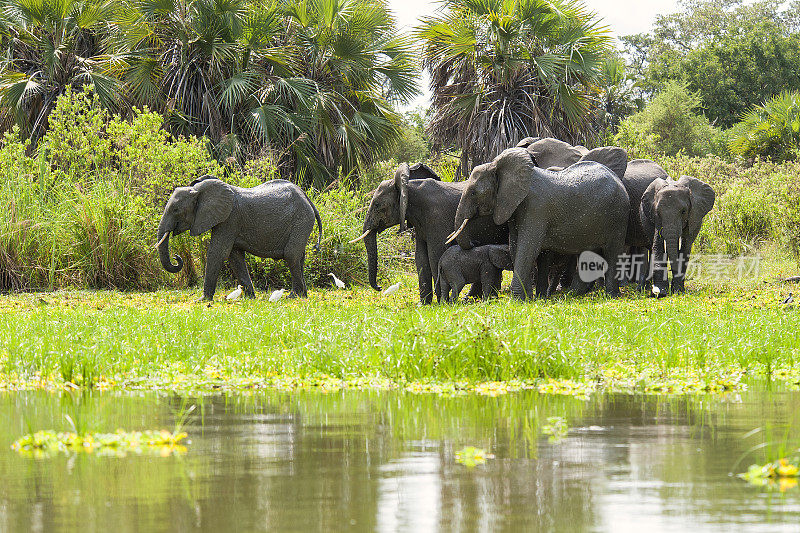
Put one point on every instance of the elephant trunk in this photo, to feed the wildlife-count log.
(164, 229)
(672, 235)
(371, 243)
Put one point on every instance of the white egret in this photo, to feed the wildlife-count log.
(789, 299)
(656, 291)
(336, 281)
(277, 295)
(392, 289)
(235, 295)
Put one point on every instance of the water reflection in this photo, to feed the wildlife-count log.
(385, 462)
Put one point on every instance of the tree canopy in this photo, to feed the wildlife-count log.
(732, 54)
(501, 71)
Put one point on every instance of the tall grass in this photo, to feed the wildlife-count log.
(358, 332)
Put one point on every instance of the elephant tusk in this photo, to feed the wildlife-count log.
(665, 246)
(162, 239)
(456, 233)
(680, 243)
(360, 238)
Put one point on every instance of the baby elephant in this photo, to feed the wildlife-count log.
(484, 264)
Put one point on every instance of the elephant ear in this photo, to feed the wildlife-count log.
(703, 197)
(648, 201)
(500, 256)
(401, 177)
(419, 171)
(513, 172)
(613, 157)
(214, 204)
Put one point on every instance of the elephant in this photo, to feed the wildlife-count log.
(481, 264)
(555, 154)
(583, 207)
(273, 220)
(639, 175)
(417, 197)
(672, 213)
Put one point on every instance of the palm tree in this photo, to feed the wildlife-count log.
(771, 130)
(501, 71)
(311, 81)
(50, 46)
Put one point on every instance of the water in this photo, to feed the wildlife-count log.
(370, 461)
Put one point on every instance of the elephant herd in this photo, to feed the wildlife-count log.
(531, 210)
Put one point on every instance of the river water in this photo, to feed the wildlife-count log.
(386, 461)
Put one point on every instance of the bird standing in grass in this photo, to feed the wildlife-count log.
(277, 295)
(789, 299)
(656, 291)
(391, 289)
(336, 281)
(236, 294)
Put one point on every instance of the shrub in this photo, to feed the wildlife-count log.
(771, 130)
(668, 125)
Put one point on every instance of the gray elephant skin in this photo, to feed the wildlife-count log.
(272, 220)
(583, 207)
(481, 264)
(672, 213)
(418, 198)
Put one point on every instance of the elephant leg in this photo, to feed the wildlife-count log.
(425, 270)
(529, 244)
(476, 290)
(238, 266)
(611, 252)
(488, 280)
(543, 263)
(295, 261)
(444, 289)
(455, 291)
(218, 251)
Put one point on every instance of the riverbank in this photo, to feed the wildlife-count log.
(710, 339)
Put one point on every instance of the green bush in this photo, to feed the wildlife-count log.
(771, 130)
(669, 125)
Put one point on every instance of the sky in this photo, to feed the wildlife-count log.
(623, 17)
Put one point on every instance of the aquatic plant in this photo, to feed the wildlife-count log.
(556, 429)
(782, 474)
(471, 456)
(48, 443)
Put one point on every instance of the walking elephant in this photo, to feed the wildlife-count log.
(584, 207)
(418, 198)
(672, 213)
(273, 220)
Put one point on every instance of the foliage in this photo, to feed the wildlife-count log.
(309, 82)
(359, 338)
(733, 54)
(470, 456)
(50, 46)
(556, 429)
(413, 145)
(669, 125)
(618, 93)
(501, 71)
(771, 130)
(119, 444)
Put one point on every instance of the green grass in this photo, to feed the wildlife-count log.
(109, 338)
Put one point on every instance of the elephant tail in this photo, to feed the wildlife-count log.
(317, 246)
